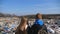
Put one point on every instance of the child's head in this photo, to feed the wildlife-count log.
(23, 20)
(39, 16)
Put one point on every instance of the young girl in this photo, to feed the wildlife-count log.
(21, 29)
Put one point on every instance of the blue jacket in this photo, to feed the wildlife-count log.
(40, 22)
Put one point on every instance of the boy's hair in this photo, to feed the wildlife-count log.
(37, 16)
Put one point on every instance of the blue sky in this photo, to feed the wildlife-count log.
(25, 7)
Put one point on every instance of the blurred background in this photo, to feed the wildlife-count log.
(11, 12)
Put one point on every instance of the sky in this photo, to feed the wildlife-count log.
(26, 7)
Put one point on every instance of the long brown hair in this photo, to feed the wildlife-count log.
(22, 25)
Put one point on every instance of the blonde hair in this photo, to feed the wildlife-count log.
(22, 24)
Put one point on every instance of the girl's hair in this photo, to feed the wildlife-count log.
(20, 28)
(22, 23)
(23, 20)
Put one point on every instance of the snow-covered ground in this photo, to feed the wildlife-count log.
(51, 26)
